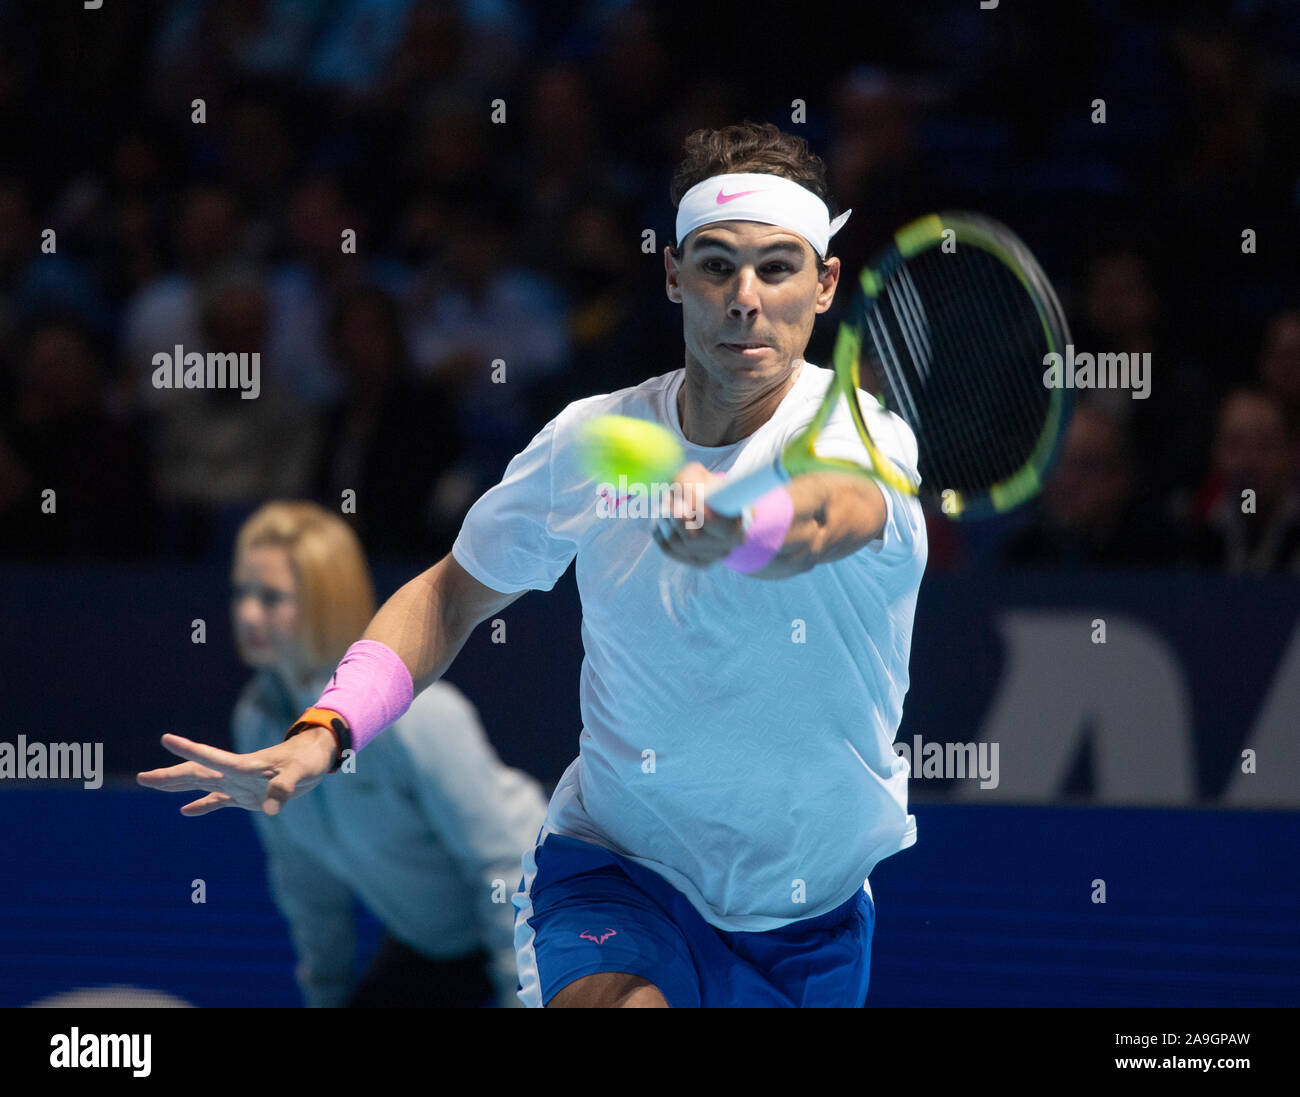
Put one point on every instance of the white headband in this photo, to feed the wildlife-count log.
(771, 199)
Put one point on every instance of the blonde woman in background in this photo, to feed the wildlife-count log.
(422, 830)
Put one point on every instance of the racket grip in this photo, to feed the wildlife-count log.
(732, 498)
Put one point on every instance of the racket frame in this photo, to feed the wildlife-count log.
(799, 456)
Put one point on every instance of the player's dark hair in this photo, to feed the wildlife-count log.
(750, 147)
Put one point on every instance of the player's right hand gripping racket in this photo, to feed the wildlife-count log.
(954, 323)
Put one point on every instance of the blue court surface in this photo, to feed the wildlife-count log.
(992, 906)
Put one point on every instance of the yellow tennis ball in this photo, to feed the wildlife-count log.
(618, 445)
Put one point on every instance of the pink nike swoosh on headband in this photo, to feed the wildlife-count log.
(723, 199)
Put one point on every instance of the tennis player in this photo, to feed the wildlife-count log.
(744, 678)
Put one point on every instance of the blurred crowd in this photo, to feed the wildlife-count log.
(501, 165)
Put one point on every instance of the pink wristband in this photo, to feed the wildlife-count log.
(370, 689)
(773, 514)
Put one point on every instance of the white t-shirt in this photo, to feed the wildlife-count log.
(737, 733)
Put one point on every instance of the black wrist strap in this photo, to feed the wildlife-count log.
(325, 718)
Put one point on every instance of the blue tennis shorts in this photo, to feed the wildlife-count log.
(581, 909)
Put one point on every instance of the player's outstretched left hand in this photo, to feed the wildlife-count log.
(262, 781)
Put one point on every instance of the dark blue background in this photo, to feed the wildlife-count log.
(991, 907)
(125, 667)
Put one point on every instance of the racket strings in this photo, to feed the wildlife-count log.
(956, 465)
(986, 324)
(962, 343)
(904, 297)
(987, 411)
(991, 336)
(1033, 395)
(925, 424)
(1044, 322)
(895, 371)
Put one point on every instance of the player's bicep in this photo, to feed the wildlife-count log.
(466, 600)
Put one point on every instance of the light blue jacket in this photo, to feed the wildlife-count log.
(428, 832)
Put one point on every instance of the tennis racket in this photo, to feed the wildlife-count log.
(952, 324)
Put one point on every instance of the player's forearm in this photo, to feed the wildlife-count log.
(834, 516)
(409, 645)
(425, 624)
